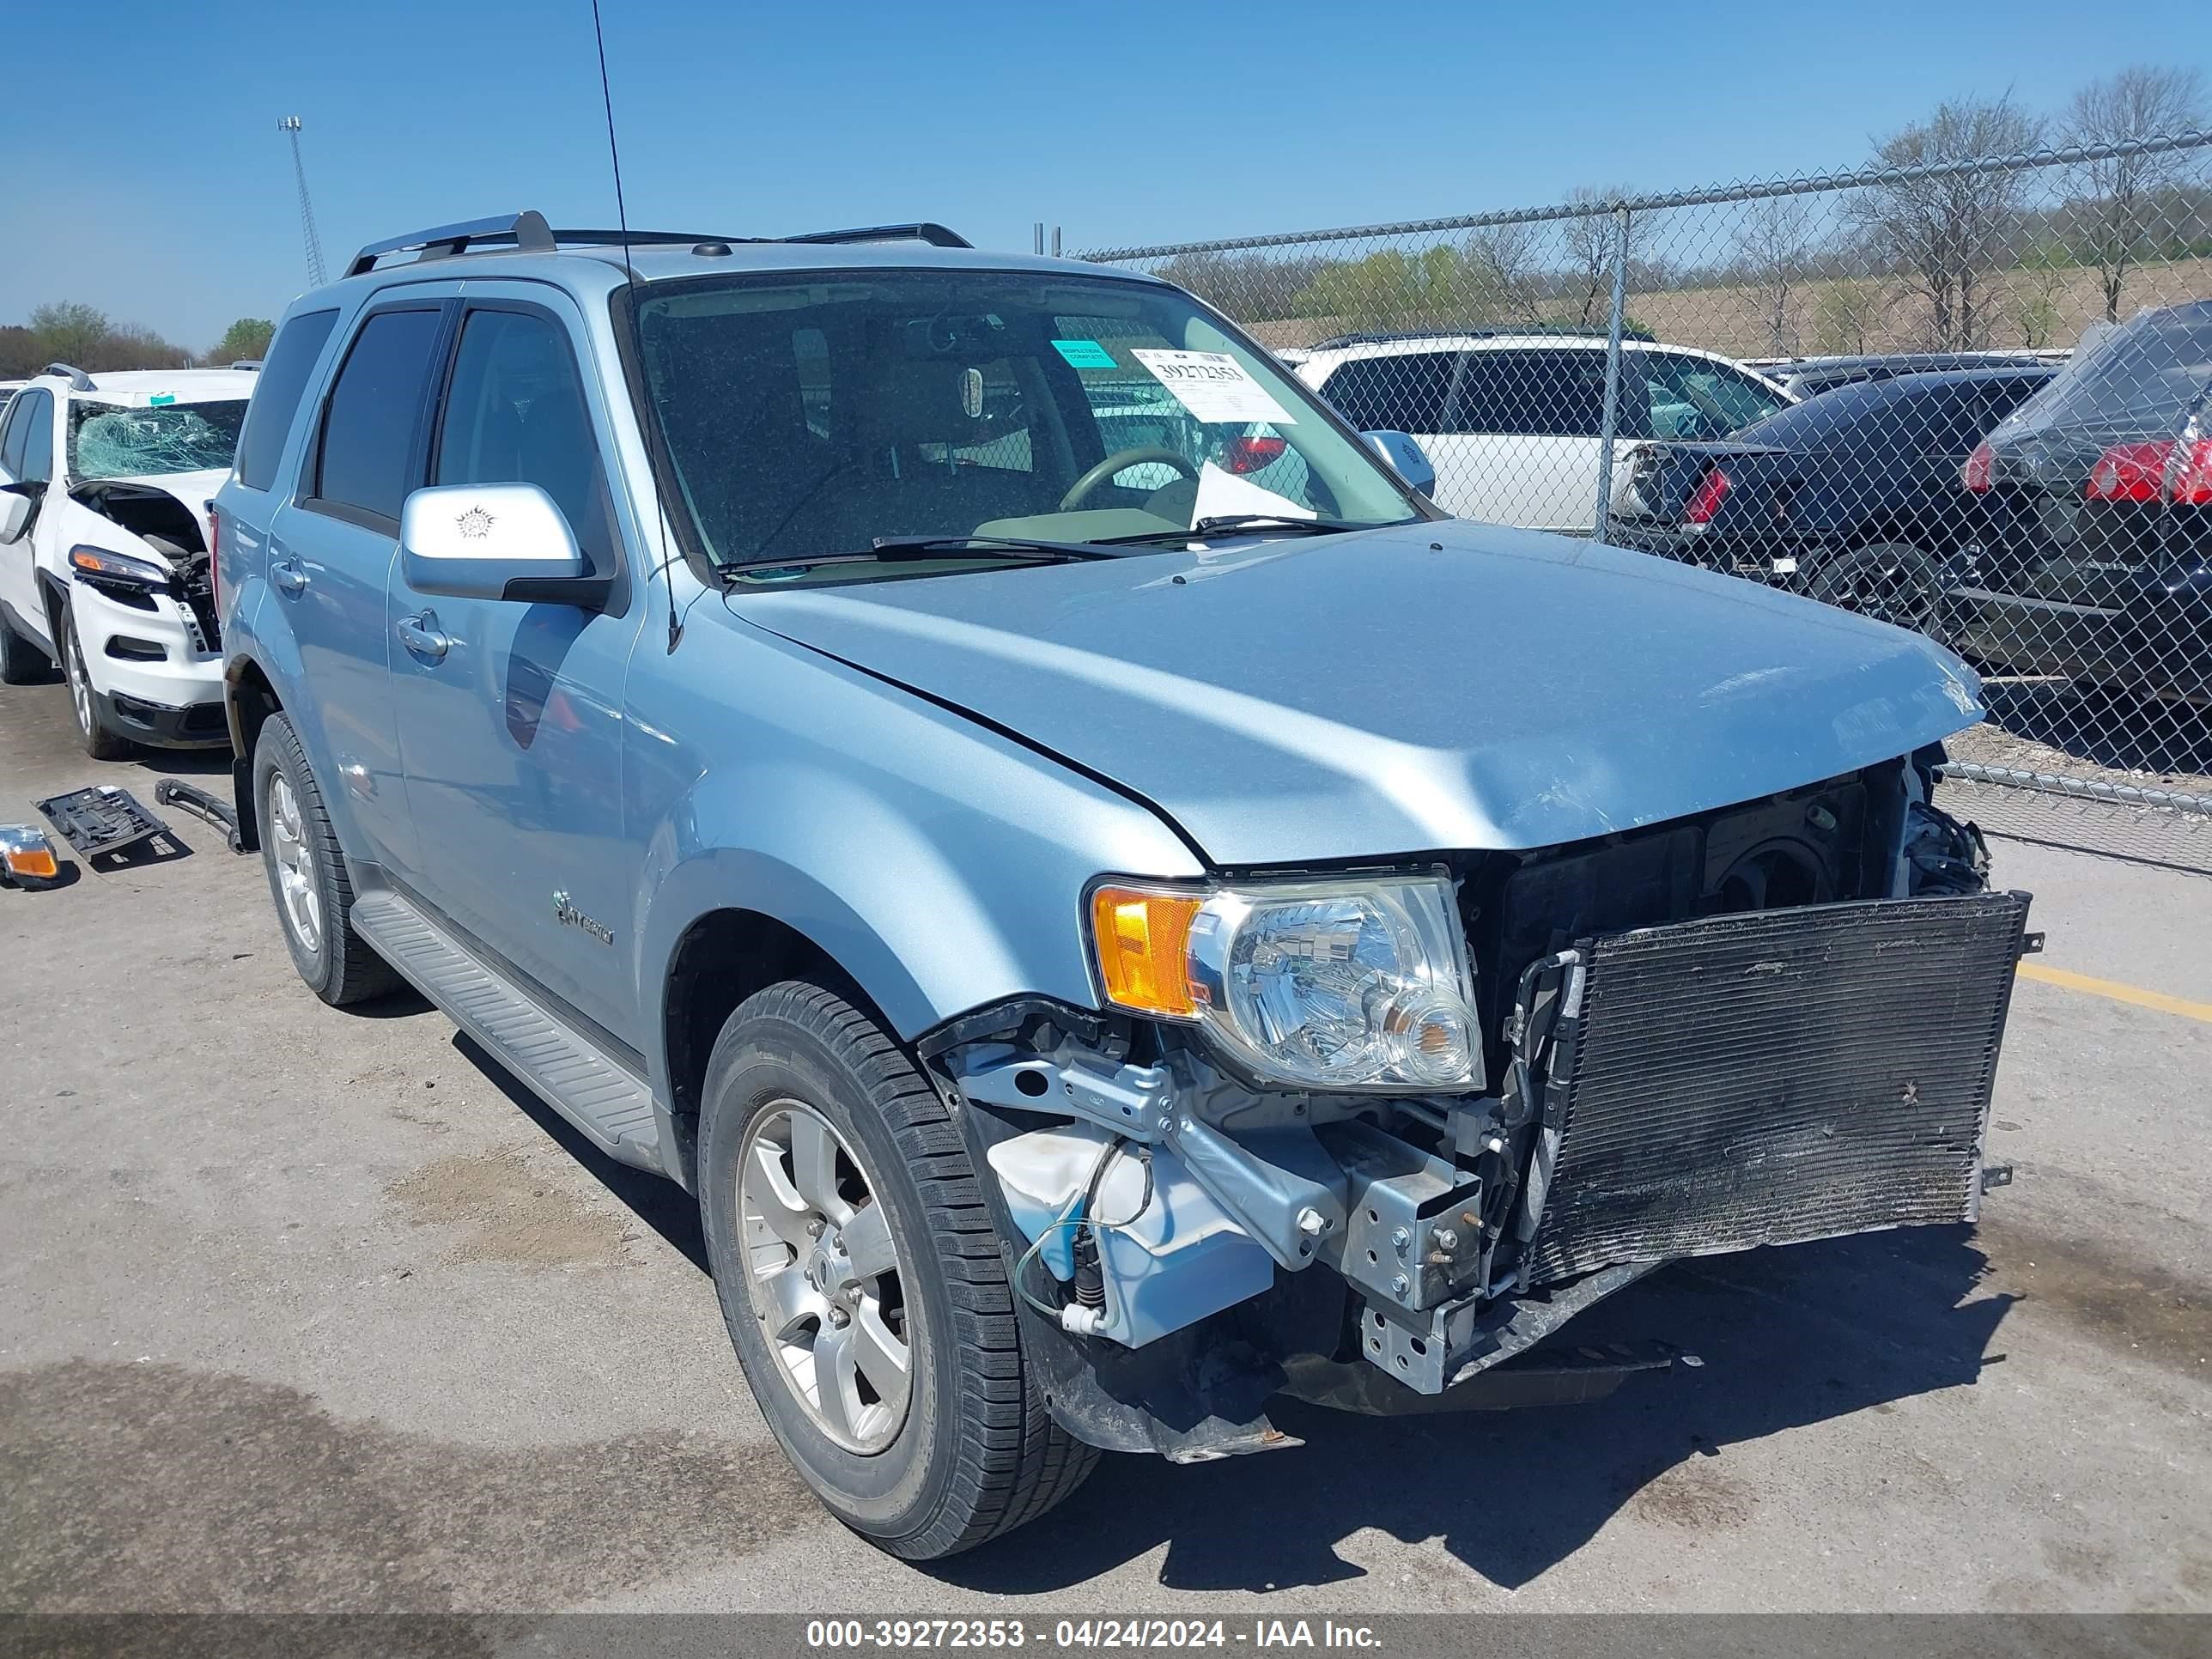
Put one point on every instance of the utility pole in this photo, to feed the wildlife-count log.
(289, 126)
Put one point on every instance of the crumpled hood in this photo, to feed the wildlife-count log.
(192, 490)
(1417, 688)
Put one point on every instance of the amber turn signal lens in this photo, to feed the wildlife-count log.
(1143, 942)
(33, 864)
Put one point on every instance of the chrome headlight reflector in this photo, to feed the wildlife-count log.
(1361, 982)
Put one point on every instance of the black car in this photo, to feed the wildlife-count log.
(1852, 497)
(2092, 556)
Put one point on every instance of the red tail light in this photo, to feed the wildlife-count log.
(1250, 454)
(2192, 484)
(2130, 472)
(1975, 475)
(1707, 502)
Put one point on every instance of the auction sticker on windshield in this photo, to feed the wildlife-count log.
(1213, 387)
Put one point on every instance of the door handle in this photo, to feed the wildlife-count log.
(419, 633)
(286, 576)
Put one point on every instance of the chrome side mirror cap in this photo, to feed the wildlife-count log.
(1406, 458)
(504, 541)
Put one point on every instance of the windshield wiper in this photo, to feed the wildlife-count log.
(1224, 524)
(895, 549)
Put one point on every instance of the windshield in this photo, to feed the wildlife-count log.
(810, 417)
(108, 441)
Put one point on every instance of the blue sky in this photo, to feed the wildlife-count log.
(169, 200)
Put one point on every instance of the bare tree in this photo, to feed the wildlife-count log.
(2114, 198)
(1588, 243)
(1948, 235)
(1775, 243)
(1505, 265)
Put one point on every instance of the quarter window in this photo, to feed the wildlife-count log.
(276, 395)
(366, 459)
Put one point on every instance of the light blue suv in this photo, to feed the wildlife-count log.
(1110, 935)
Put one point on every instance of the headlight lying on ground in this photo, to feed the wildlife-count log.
(1361, 983)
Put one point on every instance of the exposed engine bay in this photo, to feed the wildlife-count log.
(1771, 1023)
(169, 527)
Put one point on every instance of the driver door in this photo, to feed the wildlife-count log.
(510, 713)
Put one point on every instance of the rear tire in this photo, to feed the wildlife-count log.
(961, 1446)
(99, 742)
(307, 875)
(21, 662)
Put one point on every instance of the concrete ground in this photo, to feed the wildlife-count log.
(302, 1309)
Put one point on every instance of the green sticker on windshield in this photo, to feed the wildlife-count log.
(1084, 354)
(162, 398)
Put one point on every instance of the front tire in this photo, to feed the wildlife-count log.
(307, 875)
(99, 742)
(860, 1278)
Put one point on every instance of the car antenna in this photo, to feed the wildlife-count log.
(637, 336)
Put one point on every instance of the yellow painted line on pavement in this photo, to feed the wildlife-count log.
(2118, 992)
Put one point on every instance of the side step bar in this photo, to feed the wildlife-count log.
(611, 1103)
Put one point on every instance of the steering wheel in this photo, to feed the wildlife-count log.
(1121, 461)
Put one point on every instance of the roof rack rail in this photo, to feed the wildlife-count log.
(78, 379)
(527, 231)
(1483, 331)
(935, 234)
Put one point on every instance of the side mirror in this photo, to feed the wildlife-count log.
(503, 541)
(1404, 458)
(15, 502)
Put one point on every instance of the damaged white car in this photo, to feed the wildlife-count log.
(104, 568)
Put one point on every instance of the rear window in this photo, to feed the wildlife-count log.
(1555, 394)
(276, 395)
(2146, 377)
(107, 440)
(368, 450)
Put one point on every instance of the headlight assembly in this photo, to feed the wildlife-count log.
(99, 565)
(1357, 983)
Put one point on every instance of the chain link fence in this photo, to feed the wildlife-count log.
(1967, 397)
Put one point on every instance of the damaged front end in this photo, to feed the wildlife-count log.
(1770, 1024)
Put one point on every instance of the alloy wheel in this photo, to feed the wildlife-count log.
(295, 881)
(824, 1276)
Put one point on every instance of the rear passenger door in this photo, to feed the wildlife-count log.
(1526, 425)
(511, 733)
(330, 553)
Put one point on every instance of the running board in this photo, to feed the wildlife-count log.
(611, 1103)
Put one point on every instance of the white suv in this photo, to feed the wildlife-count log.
(104, 568)
(1512, 422)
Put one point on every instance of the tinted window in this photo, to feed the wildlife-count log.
(1555, 394)
(1393, 394)
(369, 429)
(516, 414)
(276, 395)
(31, 437)
(11, 437)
